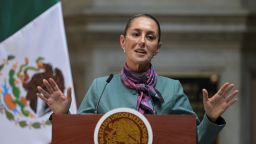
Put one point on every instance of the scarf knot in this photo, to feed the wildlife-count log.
(144, 84)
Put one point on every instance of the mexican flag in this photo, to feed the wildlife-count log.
(32, 47)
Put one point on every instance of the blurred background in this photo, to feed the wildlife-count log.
(205, 43)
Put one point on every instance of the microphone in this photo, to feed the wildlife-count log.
(107, 81)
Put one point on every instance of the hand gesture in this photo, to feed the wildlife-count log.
(220, 102)
(53, 96)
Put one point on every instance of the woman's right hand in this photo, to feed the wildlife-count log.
(54, 97)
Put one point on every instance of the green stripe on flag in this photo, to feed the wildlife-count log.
(15, 14)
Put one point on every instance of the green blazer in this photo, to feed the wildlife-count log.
(117, 95)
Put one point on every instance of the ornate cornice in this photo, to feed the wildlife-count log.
(184, 25)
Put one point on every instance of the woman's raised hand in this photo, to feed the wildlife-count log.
(220, 102)
(54, 97)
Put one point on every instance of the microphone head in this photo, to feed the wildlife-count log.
(109, 78)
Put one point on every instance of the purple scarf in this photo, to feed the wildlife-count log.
(144, 84)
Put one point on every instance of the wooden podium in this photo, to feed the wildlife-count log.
(167, 129)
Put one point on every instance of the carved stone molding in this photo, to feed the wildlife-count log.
(107, 26)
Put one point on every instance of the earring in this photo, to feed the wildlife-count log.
(124, 50)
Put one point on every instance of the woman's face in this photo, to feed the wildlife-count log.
(141, 42)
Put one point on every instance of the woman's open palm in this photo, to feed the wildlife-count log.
(216, 105)
(54, 97)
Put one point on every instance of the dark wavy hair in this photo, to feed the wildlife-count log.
(128, 24)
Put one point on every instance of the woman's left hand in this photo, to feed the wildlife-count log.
(216, 105)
